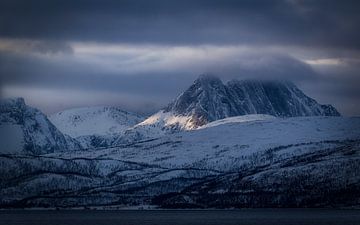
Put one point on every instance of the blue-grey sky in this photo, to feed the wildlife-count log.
(140, 54)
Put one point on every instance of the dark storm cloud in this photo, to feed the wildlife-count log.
(141, 54)
(329, 23)
(27, 70)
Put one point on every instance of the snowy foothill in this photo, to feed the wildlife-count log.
(222, 143)
(94, 121)
(243, 157)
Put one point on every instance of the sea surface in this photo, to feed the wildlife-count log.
(177, 217)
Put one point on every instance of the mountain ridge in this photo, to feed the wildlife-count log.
(208, 99)
(96, 120)
(24, 129)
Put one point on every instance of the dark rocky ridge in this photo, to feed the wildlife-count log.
(39, 134)
(209, 99)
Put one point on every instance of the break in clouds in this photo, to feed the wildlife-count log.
(140, 54)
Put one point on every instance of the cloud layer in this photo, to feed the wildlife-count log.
(302, 22)
(141, 54)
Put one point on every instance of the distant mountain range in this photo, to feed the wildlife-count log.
(239, 144)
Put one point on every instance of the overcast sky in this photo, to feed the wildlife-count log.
(140, 55)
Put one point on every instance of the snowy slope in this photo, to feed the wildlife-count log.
(157, 125)
(164, 123)
(236, 138)
(94, 121)
(239, 119)
(239, 162)
(24, 129)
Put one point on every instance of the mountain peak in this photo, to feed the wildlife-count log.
(208, 79)
(201, 99)
(209, 99)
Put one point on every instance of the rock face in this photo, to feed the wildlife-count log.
(27, 130)
(208, 99)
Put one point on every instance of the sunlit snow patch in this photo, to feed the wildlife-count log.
(239, 119)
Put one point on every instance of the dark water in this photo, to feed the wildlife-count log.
(188, 217)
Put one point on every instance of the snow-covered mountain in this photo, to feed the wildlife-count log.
(24, 129)
(94, 121)
(208, 99)
(95, 127)
(246, 161)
